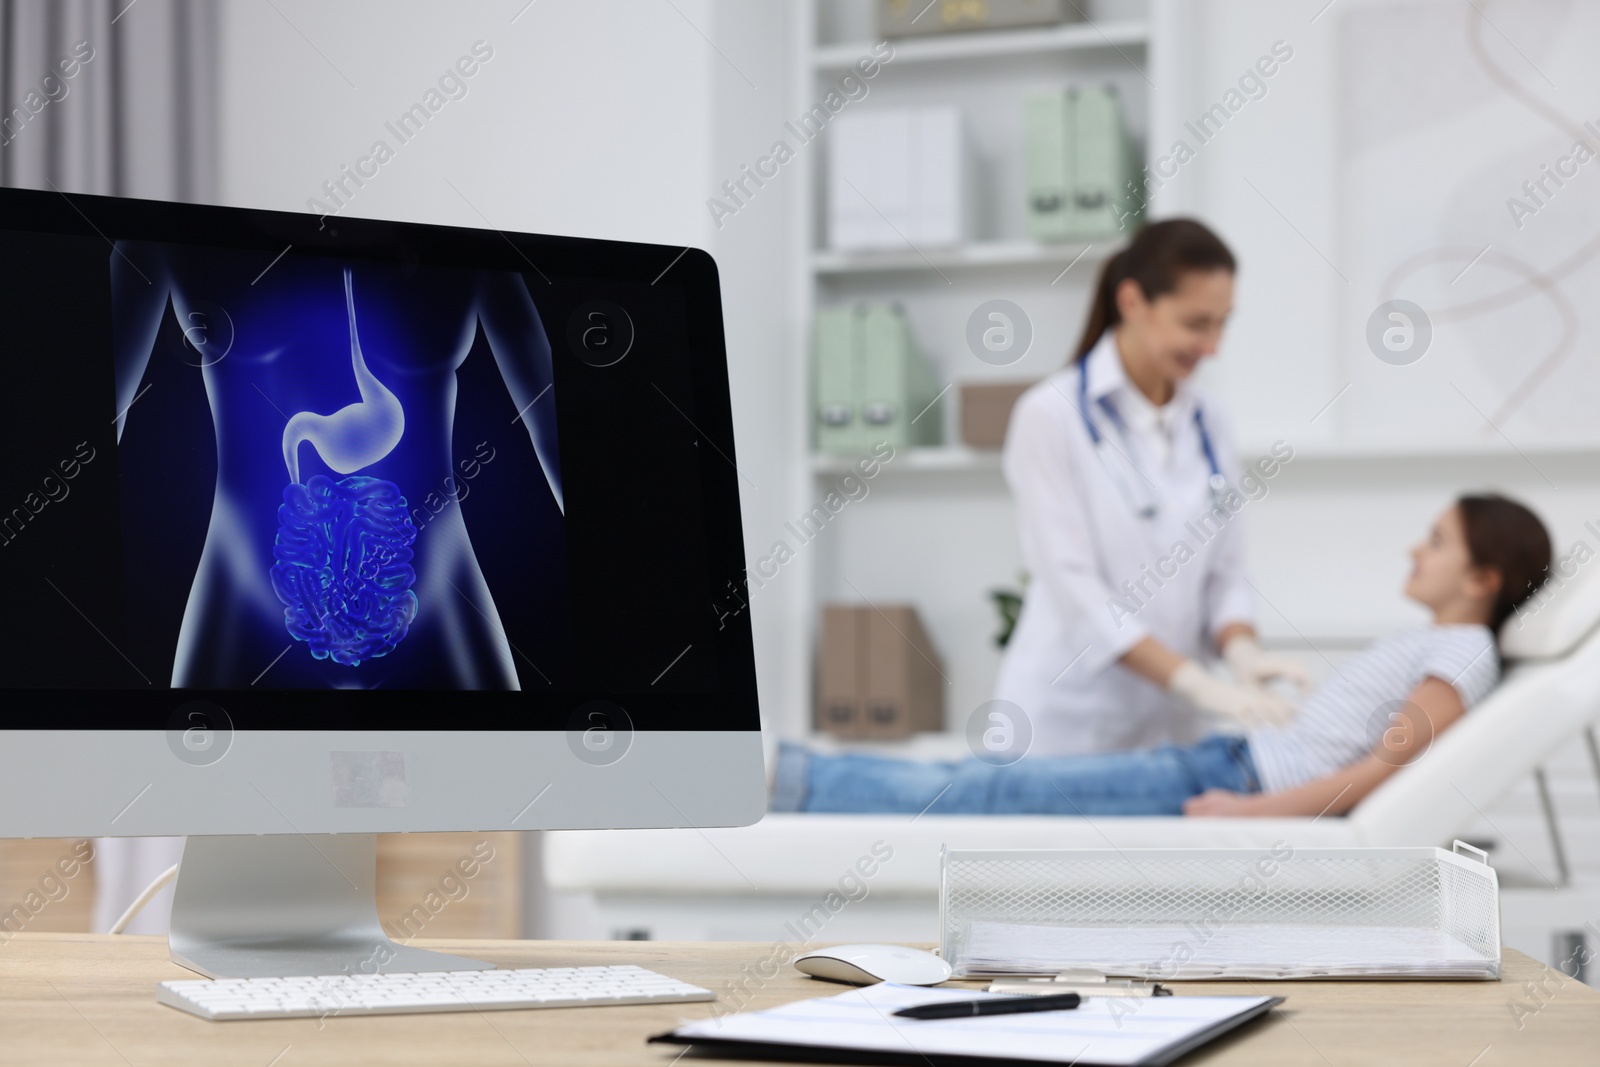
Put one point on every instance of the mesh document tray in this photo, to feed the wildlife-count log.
(1221, 913)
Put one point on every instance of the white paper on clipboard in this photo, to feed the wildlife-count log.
(1110, 1031)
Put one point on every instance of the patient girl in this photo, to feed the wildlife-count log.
(1382, 707)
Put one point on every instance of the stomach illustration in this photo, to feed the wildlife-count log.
(357, 435)
(342, 555)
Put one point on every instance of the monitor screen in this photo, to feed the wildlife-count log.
(292, 468)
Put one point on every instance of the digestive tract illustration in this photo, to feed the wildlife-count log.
(343, 550)
(292, 450)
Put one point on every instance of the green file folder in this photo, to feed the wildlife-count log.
(1101, 158)
(871, 383)
(836, 413)
(1079, 165)
(897, 383)
(1046, 122)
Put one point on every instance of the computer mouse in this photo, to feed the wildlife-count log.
(865, 964)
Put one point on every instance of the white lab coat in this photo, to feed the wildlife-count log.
(1081, 541)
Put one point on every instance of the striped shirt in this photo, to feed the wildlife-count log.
(1344, 719)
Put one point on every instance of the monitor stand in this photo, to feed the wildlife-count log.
(275, 906)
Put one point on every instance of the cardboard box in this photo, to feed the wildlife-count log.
(839, 680)
(986, 411)
(905, 680)
(879, 675)
(908, 18)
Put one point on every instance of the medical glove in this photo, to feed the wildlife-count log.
(1253, 665)
(1247, 704)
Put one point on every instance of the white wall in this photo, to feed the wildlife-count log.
(590, 119)
(748, 103)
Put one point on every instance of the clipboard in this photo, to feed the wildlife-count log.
(859, 1027)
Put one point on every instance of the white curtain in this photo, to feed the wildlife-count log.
(110, 96)
(116, 97)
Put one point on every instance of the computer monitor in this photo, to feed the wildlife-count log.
(318, 528)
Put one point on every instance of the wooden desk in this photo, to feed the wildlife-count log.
(86, 999)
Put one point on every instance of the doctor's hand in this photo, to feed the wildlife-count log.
(1253, 665)
(1247, 704)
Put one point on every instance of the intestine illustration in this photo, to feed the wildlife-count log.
(342, 555)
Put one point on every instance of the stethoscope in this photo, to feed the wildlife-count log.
(1137, 492)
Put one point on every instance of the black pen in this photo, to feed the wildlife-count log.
(1002, 1006)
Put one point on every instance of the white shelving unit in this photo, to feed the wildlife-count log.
(936, 459)
(976, 255)
(935, 526)
(1076, 37)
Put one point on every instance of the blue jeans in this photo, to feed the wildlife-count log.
(1151, 782)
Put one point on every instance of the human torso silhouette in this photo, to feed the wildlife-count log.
(358, 362)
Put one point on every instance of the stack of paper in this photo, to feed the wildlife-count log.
(1221, 950)
(1113, 1031)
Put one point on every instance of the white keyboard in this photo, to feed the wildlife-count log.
(391, 994)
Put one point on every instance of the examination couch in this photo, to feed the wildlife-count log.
(763, 882)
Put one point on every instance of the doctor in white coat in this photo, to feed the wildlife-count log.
(1126, 487)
